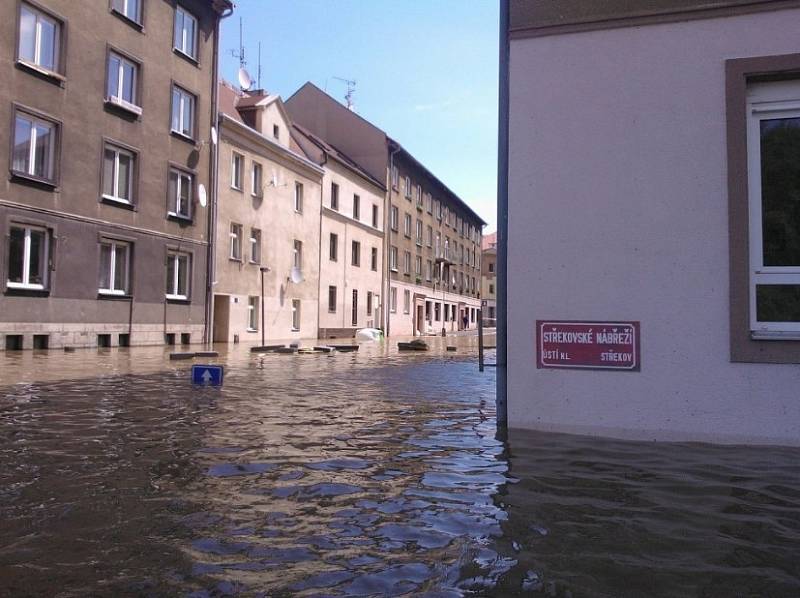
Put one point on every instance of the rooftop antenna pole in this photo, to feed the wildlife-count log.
(351, 87)
(240, 53)
(259, 65)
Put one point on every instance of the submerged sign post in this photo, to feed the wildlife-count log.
(587, 345)
(207, 375)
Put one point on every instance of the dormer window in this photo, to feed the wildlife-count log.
(276, 131)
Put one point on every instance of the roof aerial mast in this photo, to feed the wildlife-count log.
(351, 88)
(245, 80)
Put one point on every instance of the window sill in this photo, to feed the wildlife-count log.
(174, 300)
(119, 203)
(252, 330)
(126, 19)
(26, 291)
(394, 270)
(295, 330)
(764, 335)
(187, 57)
(235, 188)
(238, 260)
(118, 105)
(109, 296)
(180, 219)
(182, 136)
(42, 73)
(30, 179)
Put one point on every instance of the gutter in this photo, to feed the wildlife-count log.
(502, 221)
(386, 302)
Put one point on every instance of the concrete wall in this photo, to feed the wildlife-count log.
(618, 209)
(341, 273)
(280, 225)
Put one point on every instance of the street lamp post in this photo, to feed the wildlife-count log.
(264, 270)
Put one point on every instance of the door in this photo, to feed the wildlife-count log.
(222, 310)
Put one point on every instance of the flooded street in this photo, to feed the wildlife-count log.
(361, 474)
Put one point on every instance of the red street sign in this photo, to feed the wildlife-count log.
(587, 345)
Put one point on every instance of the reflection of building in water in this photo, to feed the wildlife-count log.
(658, 188)
(431, 274)
(102, 218)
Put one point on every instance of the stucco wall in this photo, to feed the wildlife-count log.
(618, 210)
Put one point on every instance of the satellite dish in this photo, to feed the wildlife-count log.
(201, 194)
(214, 135)
(296, 276)
(245, 80)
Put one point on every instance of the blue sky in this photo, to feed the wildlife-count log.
(426, 73)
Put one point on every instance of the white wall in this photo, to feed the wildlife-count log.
(618, 211)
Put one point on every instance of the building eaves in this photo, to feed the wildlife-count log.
(396, 145)
(271, 144)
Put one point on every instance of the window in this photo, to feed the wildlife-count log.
(180, 193)
(419, 232)
(406, 301)
(298, 197)
(369, 303)
(773, 146)
(418, 194)
(429, 203)
(276, 131)
(185, 33)
(355, 254)
(430, 236)
(255, 246)
(332, 299)
(438, 244)
(128, 8)
(118, 173)
(407, 225)
(256, 179)
(395, 177)
(393, 259)
(334, 196)
(375, 220)
(297, 255)
(393, 299)
(334, 247)
(114, 256)
(429, 270)
(394, 216)
(122, 81)
(438, 209)
(295, 315)
(437, 308)
(354, 319)
(177, 275)
(237, 168)
(34, 147)
(183, 112)
(252, 313)
(27, 257)
(408, 187)
(491, 289)
(407, 263)
(39, 39)
(236, 242)
(491, 266)
(373, 260)
(418, 267)
(356, 207)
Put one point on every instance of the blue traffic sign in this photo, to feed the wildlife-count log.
(207, 375)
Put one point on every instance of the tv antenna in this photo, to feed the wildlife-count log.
(245, 80)
(258, 77)
(351, 88)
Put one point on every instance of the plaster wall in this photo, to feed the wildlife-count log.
(618, 210)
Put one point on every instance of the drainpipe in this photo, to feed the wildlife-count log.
(502, 221)
(208, 331)
(319, 253)
(387, 233)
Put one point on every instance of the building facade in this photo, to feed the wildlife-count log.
(267, 225)
(489, 280)
(427, 285)
(110, 106)
(351, 242)
(658, 188)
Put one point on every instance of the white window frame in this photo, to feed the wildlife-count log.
(355, 254)
(767, 101)
(26, 259)
(237, 170)
(407, 263)
(236, 231)
(393, 300)
(113, 266)
(115, 196)
(184, 96)
(295, 315)
(407, 224)
(176, 201)
(54, 133)
(256, 181)
(394, 217)
(393, 258)
(252, 313)
(183, 41)
(408, 187)
(333, 247)
(174, 262)
(298, 197)
(332, 299)
(37, 41)
(123, 7)
(132, 104)
(255, 245)
(419, 232)
(406, 301)
(297, 255)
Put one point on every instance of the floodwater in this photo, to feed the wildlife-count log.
(374, 473)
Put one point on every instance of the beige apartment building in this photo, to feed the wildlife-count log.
(489, 280)
(267, 225)
(351, 241)
(104, 242)
(431, 275)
